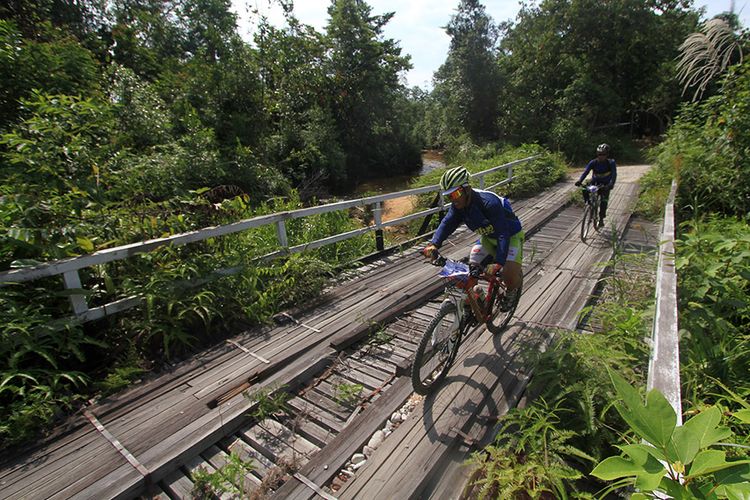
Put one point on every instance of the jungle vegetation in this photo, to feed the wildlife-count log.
(126, 120)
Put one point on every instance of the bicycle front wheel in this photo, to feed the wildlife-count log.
(587, 221)
(437, 349)
(595, 213)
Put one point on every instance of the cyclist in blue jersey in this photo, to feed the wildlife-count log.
(604, 175)
(500, 246)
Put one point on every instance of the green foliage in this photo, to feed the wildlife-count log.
(347, 394)
(267, 402)
(707, 148)
(713, 265)
(681, 462)
(379, 335)
(40, 363)
(468, 83)
(227, 479)
(58, 65)
(529, 177)
(531, 458)
(54, 172)
(576, 70)
(654, 191)
(373, 142)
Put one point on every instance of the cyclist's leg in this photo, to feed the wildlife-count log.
(604, 201)
(513, 272)
(483, 252)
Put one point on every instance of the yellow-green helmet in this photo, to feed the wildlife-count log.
(454, 178)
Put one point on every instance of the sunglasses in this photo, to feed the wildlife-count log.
(456, 194)
(601, 154)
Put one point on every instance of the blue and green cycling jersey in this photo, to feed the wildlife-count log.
(488, 215)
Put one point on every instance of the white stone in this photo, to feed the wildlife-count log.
(376, 440)
(367, 451)
(396, 418)
(357, 458)
(360, 464)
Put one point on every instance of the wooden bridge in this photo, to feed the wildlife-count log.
(387, 443)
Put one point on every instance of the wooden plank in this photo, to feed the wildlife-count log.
(352, 376)
(309, 429)
(48, 457)
(197, 435)
(277, 442)
(420, 443)
(664, 361)
(178, 485)
(321, 416)
(323, 466)
(58, 473)
(247, 453)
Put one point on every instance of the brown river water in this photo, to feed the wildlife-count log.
(399, 207)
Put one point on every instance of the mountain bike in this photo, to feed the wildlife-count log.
(473, 298)
(592, 201)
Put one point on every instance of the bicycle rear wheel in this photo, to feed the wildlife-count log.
(437, 349)
(587, 221)
(500, 319)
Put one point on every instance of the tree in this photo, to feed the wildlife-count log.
(365, 91)
(578, 68)
(302, 138)
(469, 81)
(59, 65)
(210, 28)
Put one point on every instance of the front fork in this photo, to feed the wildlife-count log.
(458, 303)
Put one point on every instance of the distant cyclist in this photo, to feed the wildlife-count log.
(604, 176)
(500, 247)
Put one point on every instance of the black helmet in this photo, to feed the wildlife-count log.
(602, 148)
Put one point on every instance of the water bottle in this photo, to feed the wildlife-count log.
(479, 293)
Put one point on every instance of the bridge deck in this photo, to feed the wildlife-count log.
(166, 421)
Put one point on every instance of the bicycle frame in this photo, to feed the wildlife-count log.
(594, 195)
(463, 310)
(481, 310)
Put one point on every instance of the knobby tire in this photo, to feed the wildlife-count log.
(596, 206)
(426, 374)
(586, 222)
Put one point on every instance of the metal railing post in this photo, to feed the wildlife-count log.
(281, 234)
(377, 213)
(72, 281)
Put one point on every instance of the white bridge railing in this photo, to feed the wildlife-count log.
(69, 268)
(664, 364)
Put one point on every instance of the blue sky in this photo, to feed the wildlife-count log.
(417, 24)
